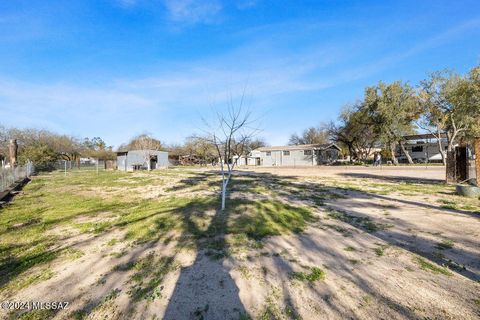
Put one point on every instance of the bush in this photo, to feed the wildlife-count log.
(40, 154)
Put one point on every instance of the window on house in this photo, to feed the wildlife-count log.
(286, 153)
(268, 153)
(307, 152)
(417, 149)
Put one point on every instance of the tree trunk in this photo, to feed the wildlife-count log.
(392, 154)
(350, 153)
(461, 163)
(440, 149)
(224, 193)
(224, 189)
(477, 159)
(450, 168)
(405, 152)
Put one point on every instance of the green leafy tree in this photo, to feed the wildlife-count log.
(434, 103)
(393, 109)
(354, 131)
(97, 148)
(40, 154)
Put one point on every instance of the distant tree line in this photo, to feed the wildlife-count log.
(43, 147)
(199, 150)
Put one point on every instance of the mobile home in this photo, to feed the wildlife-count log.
(292, 156)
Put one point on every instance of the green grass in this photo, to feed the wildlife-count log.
(315, 274)
(149, 273)
(445, 244)
(53, 206)
(364, 223)
(427, 266)
(261, 218)
(380, 249)
(386, 187)
(272, 310)
(73, 254)
(36, 315)
(473, 206)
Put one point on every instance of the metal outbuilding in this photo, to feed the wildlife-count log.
(141, 160)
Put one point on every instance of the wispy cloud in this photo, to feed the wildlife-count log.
(163, 103)
(193, 11)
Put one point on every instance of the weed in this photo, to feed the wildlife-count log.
(73, 254)
(315, 274)
(272, 311)
(149, 274)
(245, 271)
(345, 232)
(427, 266)
(445, 244)
(366, 300)
(362, 222)
(380, 249)
(112, 242)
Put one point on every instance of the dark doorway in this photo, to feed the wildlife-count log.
(153, 162)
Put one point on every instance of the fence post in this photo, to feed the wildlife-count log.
(65, 167)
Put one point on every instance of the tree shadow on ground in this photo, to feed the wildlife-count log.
(392, 178)
(206, 290)
(468, 264)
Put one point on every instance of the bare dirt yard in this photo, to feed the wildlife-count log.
(293, 243)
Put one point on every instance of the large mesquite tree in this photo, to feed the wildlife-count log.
(393, 109)
(450, 105)
(354, 131)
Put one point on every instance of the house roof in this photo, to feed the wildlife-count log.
(423, 136)
(140, 151)
(300, 147)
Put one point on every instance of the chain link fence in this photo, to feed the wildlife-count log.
(8, 176)
(94, 165)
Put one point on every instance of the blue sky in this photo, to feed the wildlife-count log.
(117, 68)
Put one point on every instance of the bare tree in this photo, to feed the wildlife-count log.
(231, 136)
(146, 144)
(312, 135)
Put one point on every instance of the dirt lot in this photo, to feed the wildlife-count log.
(294, 243)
